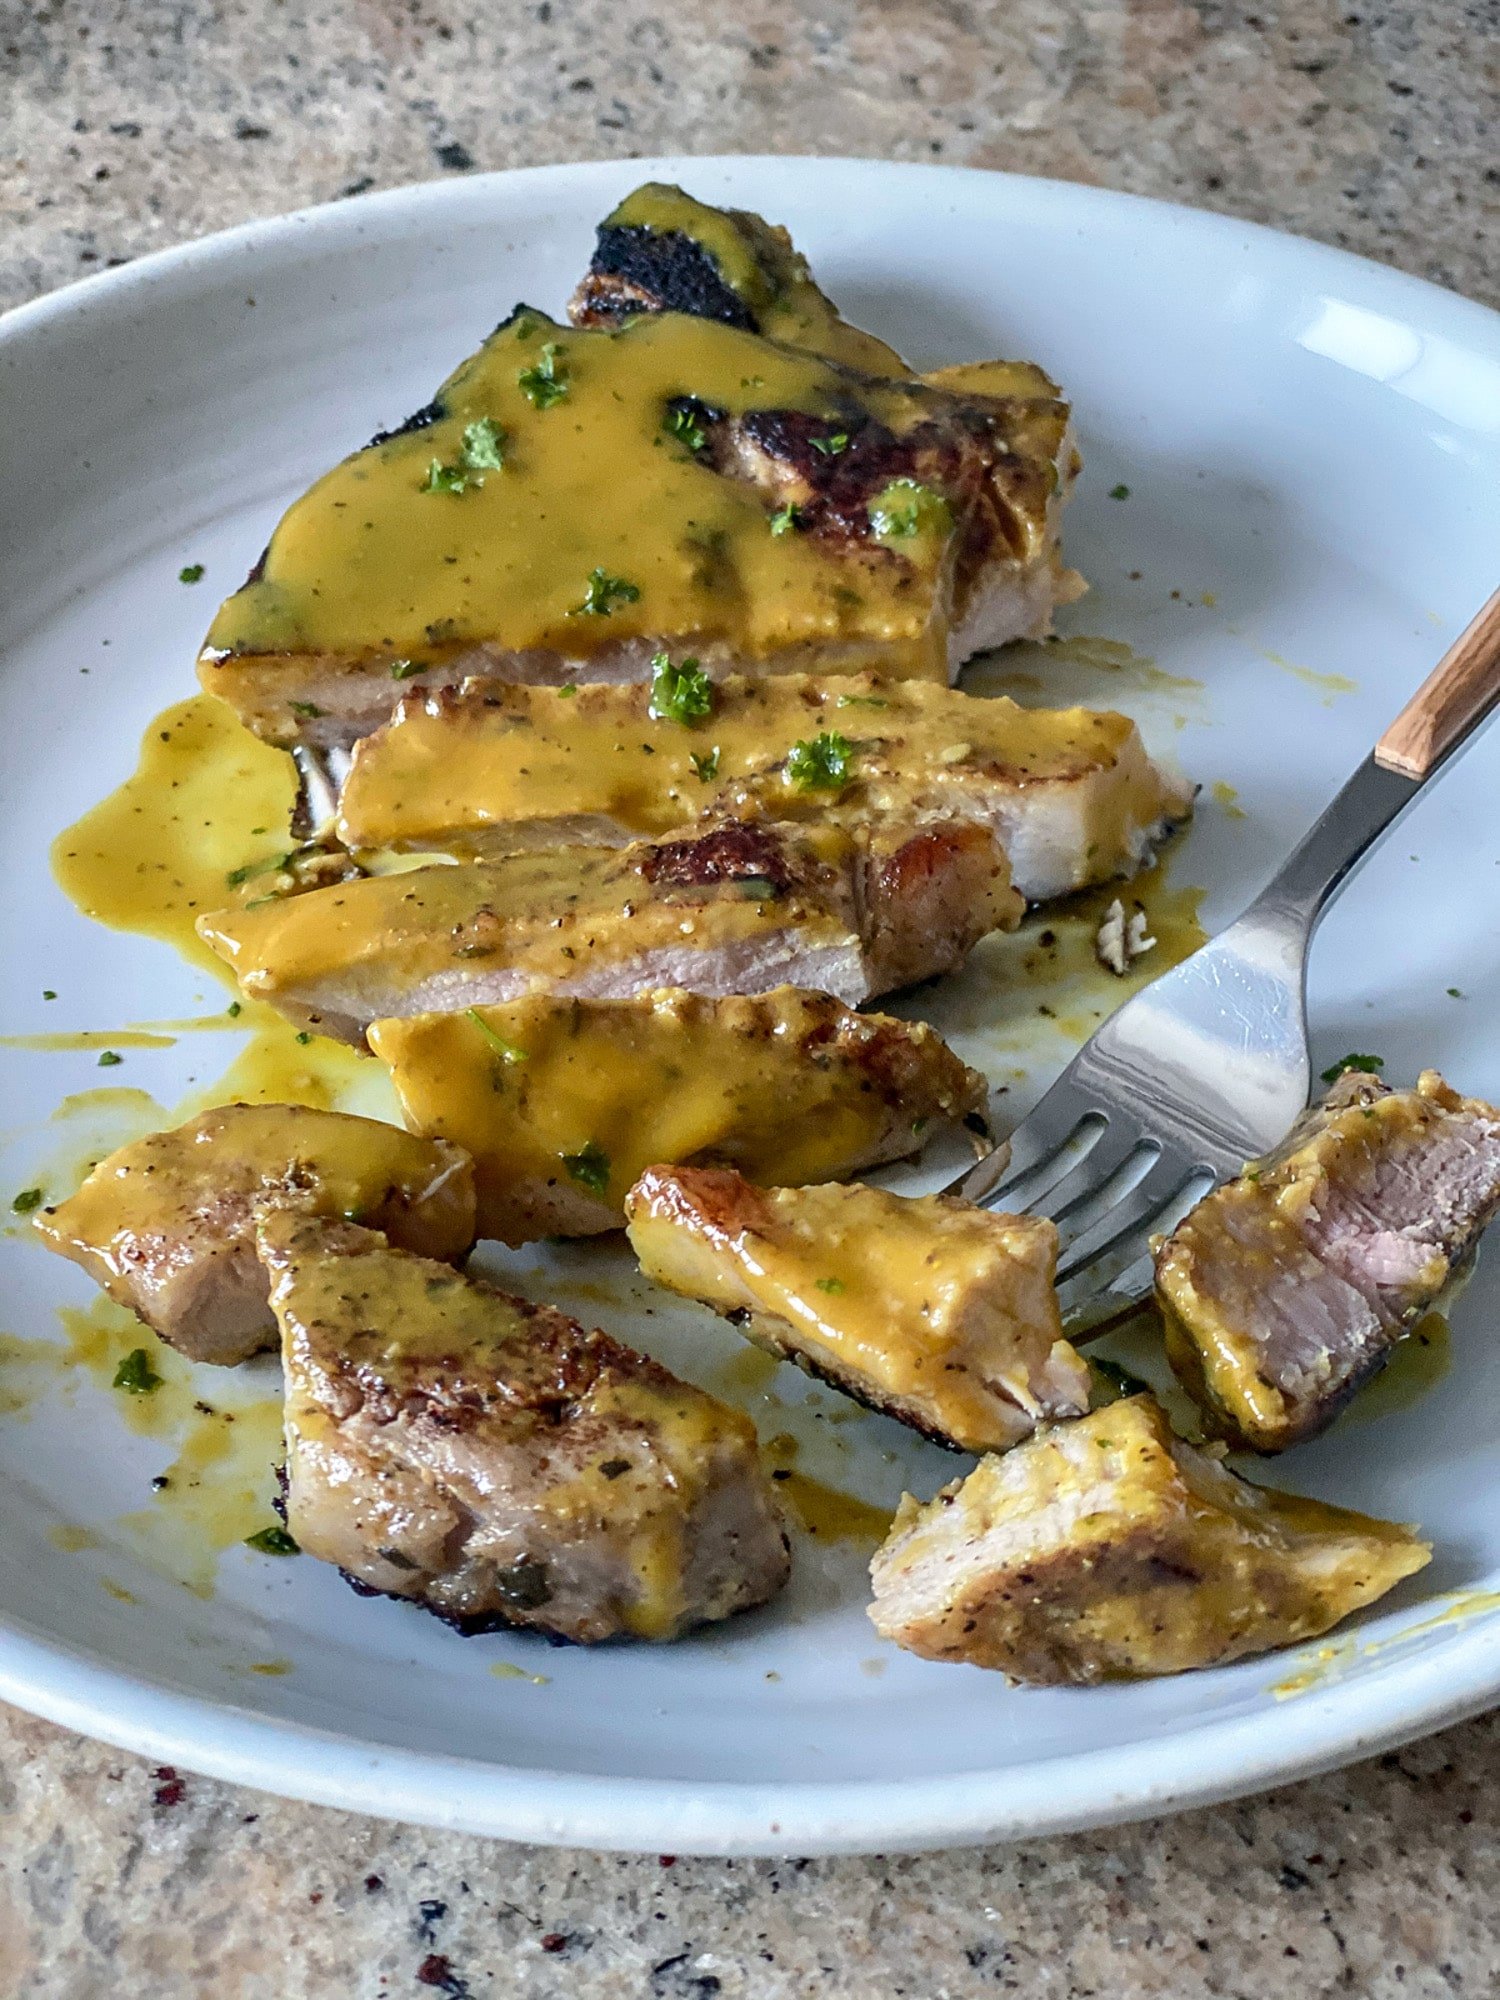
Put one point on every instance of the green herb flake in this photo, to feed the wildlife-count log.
(567, 693)
(833, 1286)
(405, 670)
(832, 445)
(26, 1201)
(308, 710)
(304, 1037)
(603, 593)
(705, 765)
(272, 1542)
(1120, 492)
(233, 1010)
(905, 508)
(273, 865)
(682, 693)
(684, 423)
(190, 573)
(481, 451)
(590, 1168)
(544, 383)
(135, 1375)
(1454, 993)
(821, 764)
(48, 994)
(785, 519)
(507, 1051)
(109, 1060)
(1371, 1065)
(860, 701)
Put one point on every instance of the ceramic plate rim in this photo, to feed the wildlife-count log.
(1189, 1767)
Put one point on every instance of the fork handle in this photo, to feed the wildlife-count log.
(1456, 695)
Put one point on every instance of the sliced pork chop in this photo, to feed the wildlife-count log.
(932, 1311)
(491, 769)
(662, 251)
(563, 1103)
(573, 502)
(735, 908)
(166, 1226)
(492, 1461)
(1287, 1289)
(1107, 1549)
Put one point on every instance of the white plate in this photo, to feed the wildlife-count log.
(1309, 441)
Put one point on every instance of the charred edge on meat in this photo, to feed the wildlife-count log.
(737, 852)
(657, 270)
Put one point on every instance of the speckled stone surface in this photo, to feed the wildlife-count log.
(124, 128)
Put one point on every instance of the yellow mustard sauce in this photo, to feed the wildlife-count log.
(822, 1511)
(1418, 1362)
(1330, 686)
(205, 799)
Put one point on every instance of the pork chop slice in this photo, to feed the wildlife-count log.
(1108, 1549)
(574, 501)
(734, 908)
(490, 769)
(1287, 1289)
(166, 1225)
(564, 1102)
(492, 1461)
(661, 251)
(932, 1311)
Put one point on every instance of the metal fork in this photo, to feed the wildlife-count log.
(1208, 1067)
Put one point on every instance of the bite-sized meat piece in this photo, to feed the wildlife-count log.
(932, 1311)
(577, 501)
(492, 1461)
(166, 1226)
(1285, 1290)
(491, 769)
(563, 1103)
(733, 908)
(1107, 1549)
(662, 251)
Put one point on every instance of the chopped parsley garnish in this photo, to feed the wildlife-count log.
(821, 764)
(233, 1010)
(190, 573)
(507, 1051)
(273, 865)
(273, 1542)
(833, 1286)
(681, 693)
(544, 383)
(684, 423)
(860, 701)
(565, 693)
(1454, 993)
(590, 1168)
(1371, 1065)
(403, 670)
(27, 1200)
(904, 508)
(831, 446)
(135, 1375)
(304, 1037)
(109, 1060)
(482, 451)
(785, 519)
(1120, 492)
(48, 994)
(705, 765)
(308, 710)
(603, 593)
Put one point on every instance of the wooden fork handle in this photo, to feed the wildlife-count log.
(1459, 692)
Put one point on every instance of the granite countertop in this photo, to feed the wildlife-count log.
(127, 127)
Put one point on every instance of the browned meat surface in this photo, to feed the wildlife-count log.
(736, 908)
(167, 1226)
(1107, 1549)
(1286, 1290)
(492, 1461)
